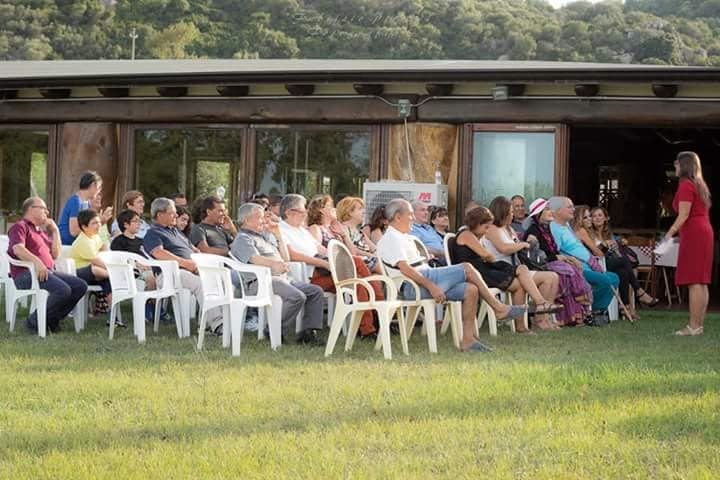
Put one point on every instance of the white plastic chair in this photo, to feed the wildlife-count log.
(299, 273)
(65, 264)
(218, 292)
(13, 294)
(124, 287)
(453, 310)
(342, 269)
(268, 304)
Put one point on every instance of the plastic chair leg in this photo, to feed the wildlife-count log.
(111, 329)
(227, 325)
(336, 326)
(355, 317)
(201, 330)
(41, 310)
(384, 335)
(274, 315)
(388, 312)
(237, 325)
(430, 329)
(138, 320)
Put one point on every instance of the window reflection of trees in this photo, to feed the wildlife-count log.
(193, 161)
(23, 168)
(309, 162)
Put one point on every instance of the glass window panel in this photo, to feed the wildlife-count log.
(23, 170)
(309, 162)
(510, 163)
(194, 161)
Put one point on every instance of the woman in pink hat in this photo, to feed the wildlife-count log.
(574, 292)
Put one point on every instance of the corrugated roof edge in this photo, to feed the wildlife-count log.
(17, 74)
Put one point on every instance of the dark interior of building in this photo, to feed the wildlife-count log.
(629, 171)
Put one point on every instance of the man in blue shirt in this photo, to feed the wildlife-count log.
(602, 283)
(426, 233)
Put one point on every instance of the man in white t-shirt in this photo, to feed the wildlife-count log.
(461, 282)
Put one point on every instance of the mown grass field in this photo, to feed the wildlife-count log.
(625, 401)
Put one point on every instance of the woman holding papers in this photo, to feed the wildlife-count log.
(694, 269)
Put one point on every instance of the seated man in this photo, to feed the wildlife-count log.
(253, 245)
(519, 214)
(422, 229)
(460, 282)
(165, 242)
(36, 239)
(215, 231)
(568, 244)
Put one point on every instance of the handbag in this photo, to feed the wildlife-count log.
(630, 254)
(534, 258)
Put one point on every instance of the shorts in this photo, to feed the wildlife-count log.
(451, 280)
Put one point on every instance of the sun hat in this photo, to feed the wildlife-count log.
(537, 207)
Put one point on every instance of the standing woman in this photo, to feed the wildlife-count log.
(695, 256)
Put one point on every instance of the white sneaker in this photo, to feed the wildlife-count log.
(251, 324)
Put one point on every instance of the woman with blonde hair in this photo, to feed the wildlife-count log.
(350, 214)
(324, 226)
(695, 256)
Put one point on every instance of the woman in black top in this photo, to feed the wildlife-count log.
(516, 279)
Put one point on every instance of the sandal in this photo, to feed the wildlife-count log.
(688, 331)
(546, 308)
(477, 347)
(514, 312)
(651, 303)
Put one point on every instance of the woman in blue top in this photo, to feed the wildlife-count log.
(90, 185)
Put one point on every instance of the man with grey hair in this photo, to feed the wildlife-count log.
(165, 242)
(260, 242)
(302, 246)
(603, 283)
(461, 282)
(426, 233)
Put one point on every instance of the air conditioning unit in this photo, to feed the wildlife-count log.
(380, 193)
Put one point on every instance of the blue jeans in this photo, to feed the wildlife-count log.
(64, 293)
(450, 280)
(602, 285)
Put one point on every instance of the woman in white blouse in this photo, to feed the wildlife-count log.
(502, 241)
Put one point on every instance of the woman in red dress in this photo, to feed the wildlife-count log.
(695, 256)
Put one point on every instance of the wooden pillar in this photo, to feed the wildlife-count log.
(433, 146)
(83, 147)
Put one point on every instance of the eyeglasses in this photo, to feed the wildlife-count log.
(41, 207)
(298, 210)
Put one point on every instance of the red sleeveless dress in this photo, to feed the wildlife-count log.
(695, 255)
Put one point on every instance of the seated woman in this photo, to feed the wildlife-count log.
(439, 220)
(303, 246)
(574, 292)
(375, 228)
(132, 200)
(502, 242)
(351, 213)
(84, 252)
(467, 247)
(609, 246)
(183, 221)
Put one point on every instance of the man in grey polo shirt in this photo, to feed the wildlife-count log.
(254, 245)
(165, 242)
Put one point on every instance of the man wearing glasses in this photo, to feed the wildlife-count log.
(36, 239)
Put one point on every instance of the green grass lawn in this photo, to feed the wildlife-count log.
(624, 401)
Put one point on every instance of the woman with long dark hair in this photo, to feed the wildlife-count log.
(695, 255)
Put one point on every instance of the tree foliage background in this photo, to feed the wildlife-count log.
(681, 32)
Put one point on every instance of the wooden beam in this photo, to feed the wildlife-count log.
(651, 112)
(220, 110)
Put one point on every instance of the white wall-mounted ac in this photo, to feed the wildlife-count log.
(380, 193)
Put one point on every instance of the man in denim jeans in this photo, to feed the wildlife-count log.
(36, 239)
(461, 282)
